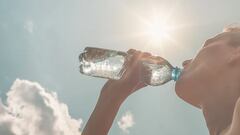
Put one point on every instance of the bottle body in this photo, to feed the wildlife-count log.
(111, 64)
(103, 63)
(158, 71)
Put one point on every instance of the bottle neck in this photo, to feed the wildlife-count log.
(176, 72)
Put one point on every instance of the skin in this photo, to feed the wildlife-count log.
(209, 81)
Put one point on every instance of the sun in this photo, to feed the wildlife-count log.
(158, 31)
(156, 28)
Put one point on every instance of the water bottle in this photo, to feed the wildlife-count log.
(111, 64)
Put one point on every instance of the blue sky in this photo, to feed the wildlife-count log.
(40, 41)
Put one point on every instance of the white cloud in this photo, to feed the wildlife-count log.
(29, 26)
(126, 122)
(31, 110)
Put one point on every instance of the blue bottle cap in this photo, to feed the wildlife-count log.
(176, 72)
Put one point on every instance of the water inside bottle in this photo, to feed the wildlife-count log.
(157, 73)
(111, 64)
(102, 63)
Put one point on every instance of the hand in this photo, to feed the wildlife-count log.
(131, 80)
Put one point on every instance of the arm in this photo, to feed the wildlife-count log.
(103, 115)
(113, 95)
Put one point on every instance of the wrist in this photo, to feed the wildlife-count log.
(113, 97)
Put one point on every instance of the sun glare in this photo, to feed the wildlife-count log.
(157, 30)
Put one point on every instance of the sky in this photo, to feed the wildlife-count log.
(40, 41)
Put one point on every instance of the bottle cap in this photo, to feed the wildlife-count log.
(176, 72)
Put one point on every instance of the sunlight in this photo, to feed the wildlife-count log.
(157, 30)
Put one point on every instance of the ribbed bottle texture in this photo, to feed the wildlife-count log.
(111, 64)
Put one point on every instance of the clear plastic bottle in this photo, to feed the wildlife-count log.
(111, 64)
(157, 71)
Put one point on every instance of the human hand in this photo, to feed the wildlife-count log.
(130, 81)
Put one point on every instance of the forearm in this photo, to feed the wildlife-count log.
(103, 115)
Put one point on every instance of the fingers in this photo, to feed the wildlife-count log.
(131, 51)
(133, 65)
(134, 52)
(146, 54)
(137, 55)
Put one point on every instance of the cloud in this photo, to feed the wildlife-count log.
(31, 110)
(126, 122)
(29, 26)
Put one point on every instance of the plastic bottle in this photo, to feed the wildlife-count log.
(111, 64)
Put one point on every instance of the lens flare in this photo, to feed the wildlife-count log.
(158, 31)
